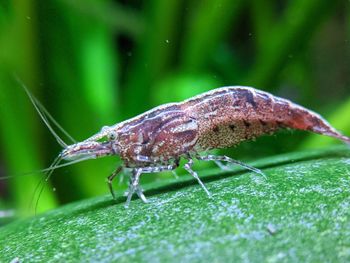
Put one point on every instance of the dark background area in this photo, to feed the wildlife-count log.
(95, 63)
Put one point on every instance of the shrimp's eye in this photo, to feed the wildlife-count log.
(112, 136)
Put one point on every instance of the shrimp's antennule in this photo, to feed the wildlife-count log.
(43, 113)
(46, 112)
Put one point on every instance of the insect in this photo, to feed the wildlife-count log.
(156, 140)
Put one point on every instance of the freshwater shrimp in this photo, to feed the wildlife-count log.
(156, 140)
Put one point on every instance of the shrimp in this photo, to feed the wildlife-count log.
(156, 140)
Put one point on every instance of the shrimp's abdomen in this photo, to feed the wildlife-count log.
(230, 115)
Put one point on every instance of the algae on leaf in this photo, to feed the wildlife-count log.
(300, 213)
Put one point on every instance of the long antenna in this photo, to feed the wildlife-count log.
(42, 183)
(52, 167)
(44, 110)
(33, 100)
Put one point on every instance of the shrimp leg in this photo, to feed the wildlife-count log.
(188, 168)
(134, 184)
(110, 180)
(227, 159)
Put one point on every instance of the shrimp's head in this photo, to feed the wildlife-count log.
(101, 144)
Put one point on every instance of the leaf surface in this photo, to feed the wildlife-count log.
(300, 213)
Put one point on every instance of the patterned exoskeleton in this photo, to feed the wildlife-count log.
(156, 140)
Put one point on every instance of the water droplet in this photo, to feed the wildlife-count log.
(167, 41)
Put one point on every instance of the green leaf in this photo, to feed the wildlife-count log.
(300, 21)
(299, 214)
(208, 23)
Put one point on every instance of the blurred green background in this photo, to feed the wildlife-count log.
(95, 63)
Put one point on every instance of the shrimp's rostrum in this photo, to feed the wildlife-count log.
(156, 140)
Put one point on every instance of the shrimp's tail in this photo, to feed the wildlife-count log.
(304, 119)
(334, 133)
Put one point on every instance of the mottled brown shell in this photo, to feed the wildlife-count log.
(217, 119)
(158, 137)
